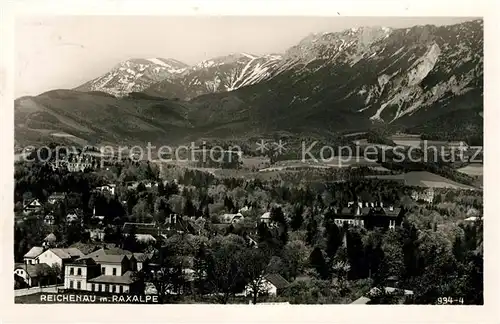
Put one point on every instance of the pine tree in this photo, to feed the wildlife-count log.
(297, 218)
(317, 261)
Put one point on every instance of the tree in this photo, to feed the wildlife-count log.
(333, 240)
(317, 261)
(297, 219)
(189, 209)
(256, 263)
(410, 239)
(355, 255)
(200, 269)
(295, 254)
(225, 276)
(56, 272)
(166, 278)
(277, 215)
(341, 269)
(175, 202)
(311, 230)
(141, 210)
(130, 242)
(162, 210)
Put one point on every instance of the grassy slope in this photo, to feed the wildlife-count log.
(99, 118)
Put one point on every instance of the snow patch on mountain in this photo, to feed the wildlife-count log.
(134, 75)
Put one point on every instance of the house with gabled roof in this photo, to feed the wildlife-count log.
(59, 256)
(142, 260)
(266, 218)
(144, 232)
(231, 218)
(49, 240)
(32, 206)
(271, 284)
(113, 261)
(32, 254)
(72, 217)
(33, 274)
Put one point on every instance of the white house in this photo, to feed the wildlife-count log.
(113, 262)
(270, 285)
(30, 257)
(266, 218)
(231, 218)
(104, 270)
(77, 273)
(59, 256)
(107, 188)
(72, 218)
(96, 234)
(31, 206)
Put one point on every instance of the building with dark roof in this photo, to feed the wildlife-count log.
(33, 274)
(368, 215)
(277, 280)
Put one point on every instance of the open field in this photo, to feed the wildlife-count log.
(424, 179)
(258, 162)
(474, 169)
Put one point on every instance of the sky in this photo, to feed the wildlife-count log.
(63, 52)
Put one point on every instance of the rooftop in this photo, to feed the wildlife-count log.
(67, 253)
(277, 280)
(35, 270)
(126, 279)
(34, 252)
(112, 255)
(361, 300)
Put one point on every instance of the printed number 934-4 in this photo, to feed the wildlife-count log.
(450, 300)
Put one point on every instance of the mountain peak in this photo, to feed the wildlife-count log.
(134, 75)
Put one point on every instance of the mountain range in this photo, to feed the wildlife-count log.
(328, 83)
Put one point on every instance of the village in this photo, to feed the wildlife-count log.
(180, 238)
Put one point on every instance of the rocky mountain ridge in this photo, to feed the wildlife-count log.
(328, 83)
